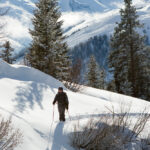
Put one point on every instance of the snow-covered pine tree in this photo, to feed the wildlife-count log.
(102, 82)
(128, 50)
(62, 62)
(6, 53)
(92, 75)
(48, 52)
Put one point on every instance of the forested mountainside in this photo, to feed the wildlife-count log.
(97, 46)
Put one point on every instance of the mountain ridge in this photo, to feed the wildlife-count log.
(82, 19)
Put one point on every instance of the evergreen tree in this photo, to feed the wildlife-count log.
(102, 83)
(93, 73)
(111, 86)
(6, 53)
(48, 51)
(127, 57)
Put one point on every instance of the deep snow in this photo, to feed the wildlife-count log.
(26, 94)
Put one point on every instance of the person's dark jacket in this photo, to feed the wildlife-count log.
(62, 99)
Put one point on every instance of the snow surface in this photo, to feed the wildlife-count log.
(26, 95)
(82, 19)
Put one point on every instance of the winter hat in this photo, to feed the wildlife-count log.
(60, 88)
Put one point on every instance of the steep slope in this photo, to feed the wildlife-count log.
(26, 94)
(82, 19)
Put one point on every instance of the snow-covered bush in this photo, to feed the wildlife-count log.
(73, 86)
(10, 138)
(112, 131)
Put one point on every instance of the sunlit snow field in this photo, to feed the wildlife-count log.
(27, 94)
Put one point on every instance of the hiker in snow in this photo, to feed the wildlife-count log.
(62, 99)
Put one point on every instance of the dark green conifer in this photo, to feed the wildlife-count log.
(48, 51)
(128, 59)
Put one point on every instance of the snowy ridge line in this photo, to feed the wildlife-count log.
(24, 73)
(92, 21)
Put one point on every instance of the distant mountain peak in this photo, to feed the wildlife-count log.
(83, 19)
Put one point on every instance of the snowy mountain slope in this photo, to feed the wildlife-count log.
(27, 94)
(82, 19)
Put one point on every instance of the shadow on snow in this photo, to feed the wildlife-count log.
(29, 95)
(60, 140)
